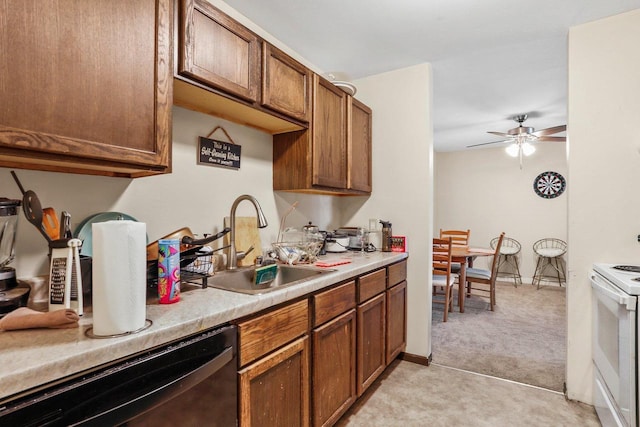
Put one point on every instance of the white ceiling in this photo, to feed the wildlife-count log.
(491, 59)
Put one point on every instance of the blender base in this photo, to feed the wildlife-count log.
(7, 278)
(14, 298)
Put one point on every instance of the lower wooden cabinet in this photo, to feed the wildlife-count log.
(334, 369)
(274, 391)
(371, 341)
(357, 328)
(396, 320)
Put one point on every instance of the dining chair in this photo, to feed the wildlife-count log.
(442, 278)
(484, 281)
(549, 252)
(458, 238)
(509, 252)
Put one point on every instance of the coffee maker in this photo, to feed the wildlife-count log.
(12, 293)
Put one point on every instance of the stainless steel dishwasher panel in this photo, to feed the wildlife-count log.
(191, 382)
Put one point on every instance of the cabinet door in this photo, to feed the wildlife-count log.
(334, 369)
(86, 86)
(359, 146)
(286, 84)
(371, 341)
(218, 51)
(329, 135)
(396, 321)
(274, 391)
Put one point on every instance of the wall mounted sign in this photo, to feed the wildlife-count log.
(549, 185)
(213, 152)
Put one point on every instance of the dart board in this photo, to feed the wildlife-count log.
(549, 185)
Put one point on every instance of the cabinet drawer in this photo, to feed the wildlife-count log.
(269, 331)
(371, 284)
(397, 273)
(334, 302)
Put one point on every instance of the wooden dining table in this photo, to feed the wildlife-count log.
(465, 256)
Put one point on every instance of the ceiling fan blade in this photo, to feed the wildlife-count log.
(506, 135)
(487, 143)
(550, 131)
(552, 138)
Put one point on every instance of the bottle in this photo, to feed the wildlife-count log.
(386, 236)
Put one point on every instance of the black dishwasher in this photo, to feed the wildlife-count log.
(191, 382)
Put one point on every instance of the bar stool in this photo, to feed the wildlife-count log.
(549, 252)
(509, 252)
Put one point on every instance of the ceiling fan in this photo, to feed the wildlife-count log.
(521, 138)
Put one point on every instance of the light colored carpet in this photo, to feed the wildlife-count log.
(523, 340)
(411, 395)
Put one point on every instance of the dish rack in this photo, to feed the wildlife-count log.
(194, 268)
(197, 269)
(297, 252)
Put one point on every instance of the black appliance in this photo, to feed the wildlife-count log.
(12, 293)
(191, 382)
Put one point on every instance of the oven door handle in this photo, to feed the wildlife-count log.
(164, 391)
(604, 288)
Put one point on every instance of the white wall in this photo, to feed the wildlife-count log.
(195, 196)
(402, 181)
(604, 170)
(485, 191)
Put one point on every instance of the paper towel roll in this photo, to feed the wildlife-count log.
(119, 276)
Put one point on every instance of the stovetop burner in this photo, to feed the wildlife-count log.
(629, 268)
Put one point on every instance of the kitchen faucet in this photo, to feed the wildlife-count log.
(232, 260)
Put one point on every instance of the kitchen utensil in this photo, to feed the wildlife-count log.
(65, 225)
(65, 276)
(32, 208)
(188, 243)
(51, 223)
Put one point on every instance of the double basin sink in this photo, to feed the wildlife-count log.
(242, 279)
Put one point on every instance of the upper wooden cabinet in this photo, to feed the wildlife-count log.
(225, 70)
(359, 145)
(286, 84)
(86, 87)
(334, 155)
(329, 138)
(217, 50)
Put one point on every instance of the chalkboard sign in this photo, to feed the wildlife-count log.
(219, 153)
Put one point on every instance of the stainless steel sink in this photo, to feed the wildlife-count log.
(241, 280)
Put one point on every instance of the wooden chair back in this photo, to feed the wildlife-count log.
(442, 257)
(442, 274)
(458, 237)
(477, 282)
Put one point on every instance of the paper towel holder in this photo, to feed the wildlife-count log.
(89, 332)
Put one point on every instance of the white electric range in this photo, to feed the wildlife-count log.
(615, 343)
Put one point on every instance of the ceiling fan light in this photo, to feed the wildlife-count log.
(528, 149)
(512, 150)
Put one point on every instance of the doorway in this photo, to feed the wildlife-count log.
(524, 339)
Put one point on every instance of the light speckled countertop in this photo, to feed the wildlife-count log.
(31, 358)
